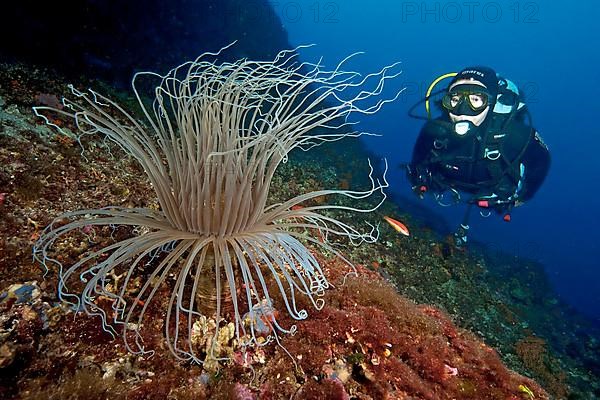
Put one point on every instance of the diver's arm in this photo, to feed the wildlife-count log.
(419, 173)
(537, 163)
(423, 146)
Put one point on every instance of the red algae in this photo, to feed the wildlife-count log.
(397, 349)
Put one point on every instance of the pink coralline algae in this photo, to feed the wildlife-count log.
(242, 392)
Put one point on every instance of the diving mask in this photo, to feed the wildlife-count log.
(471, 101)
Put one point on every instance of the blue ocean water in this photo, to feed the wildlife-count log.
(548, 48)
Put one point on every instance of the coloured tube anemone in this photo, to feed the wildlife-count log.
(210, 144)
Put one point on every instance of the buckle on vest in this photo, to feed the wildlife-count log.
(491, 154)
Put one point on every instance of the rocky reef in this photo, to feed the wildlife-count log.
(368, 342)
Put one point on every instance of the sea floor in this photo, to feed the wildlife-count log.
(422, 320)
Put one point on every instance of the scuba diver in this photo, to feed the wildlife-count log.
(483, 145)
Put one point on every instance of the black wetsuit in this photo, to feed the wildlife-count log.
(516, 156)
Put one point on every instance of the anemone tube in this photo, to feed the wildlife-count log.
(210, 144)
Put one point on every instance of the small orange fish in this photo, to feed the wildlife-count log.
(397, 225)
